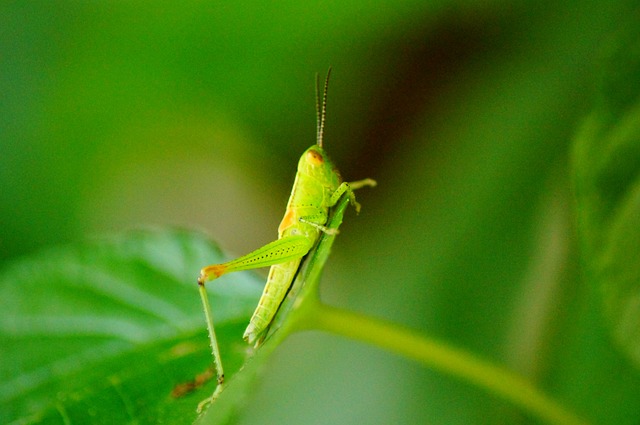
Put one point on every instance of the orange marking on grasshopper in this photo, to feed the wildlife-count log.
(288, 220)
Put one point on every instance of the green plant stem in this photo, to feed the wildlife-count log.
(440, 356)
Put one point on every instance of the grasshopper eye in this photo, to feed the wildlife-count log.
(314, 158)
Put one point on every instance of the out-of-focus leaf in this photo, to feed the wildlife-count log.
(607, 178)
(118, 327)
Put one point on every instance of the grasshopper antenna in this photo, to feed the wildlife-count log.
(321, 111)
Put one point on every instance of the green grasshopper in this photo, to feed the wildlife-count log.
(317, 187)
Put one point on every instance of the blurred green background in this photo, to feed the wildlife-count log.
(117, 115)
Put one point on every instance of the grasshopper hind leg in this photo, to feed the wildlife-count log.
(287, 249)
(215, 350)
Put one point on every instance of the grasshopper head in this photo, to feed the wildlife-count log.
(316, 163)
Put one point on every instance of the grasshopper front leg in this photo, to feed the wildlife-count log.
(335, 197)
(349, 188)
(277, 252)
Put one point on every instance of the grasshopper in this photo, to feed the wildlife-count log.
(317, 187)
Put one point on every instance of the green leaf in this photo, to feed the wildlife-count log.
(607, 179)
(103, 332)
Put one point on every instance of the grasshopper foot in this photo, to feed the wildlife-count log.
(209, 400)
